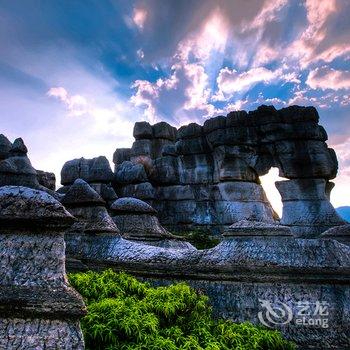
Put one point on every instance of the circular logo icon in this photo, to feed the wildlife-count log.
(276, 314)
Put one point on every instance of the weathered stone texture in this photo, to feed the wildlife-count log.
(38, 309)
(227, 150)
(29, 334)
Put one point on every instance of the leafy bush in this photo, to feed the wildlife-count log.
(124, 313)
(201, 239)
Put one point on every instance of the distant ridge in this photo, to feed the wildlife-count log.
(344, 212)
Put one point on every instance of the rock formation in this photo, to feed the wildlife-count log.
(85, 204)
(138, 221)
(15, 166)
(17, 170)
(208, 176)
(47, 179)
(339, 233)
(96, 172)
(39, 310)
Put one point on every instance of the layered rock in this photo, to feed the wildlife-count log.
(38, 308)
(138, 221)
(306, 207)
(47, 179)
(15, 166)
(96, 172)
(339, 233)
(85, 204)
(208, 176)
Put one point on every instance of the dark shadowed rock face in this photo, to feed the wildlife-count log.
(225, 151)
(47, 179)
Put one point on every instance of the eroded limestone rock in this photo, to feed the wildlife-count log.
(232, 149)
(306, 208)
(84, 203)
(38, 307)
(137, 221)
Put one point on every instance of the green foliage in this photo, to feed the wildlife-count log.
(124, 313)
(201, 239)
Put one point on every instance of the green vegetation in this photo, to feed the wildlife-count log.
(201, 239)
(124, 313)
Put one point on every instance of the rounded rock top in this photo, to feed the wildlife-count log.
(132, 205)
(81, 194)
(24, 207)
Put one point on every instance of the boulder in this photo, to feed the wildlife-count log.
(5, 147)
(16, 169)
(121, 155)
(130, 173)
(163, 130)
(138, 222)
(142, 130)
(84, 203)
(47, 179)
(37, 304)
(141, 148)
(192, 130)
(90, 170)
(166, 171)
(144, 191)
(306, 208)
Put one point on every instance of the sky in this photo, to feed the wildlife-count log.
(76, 75)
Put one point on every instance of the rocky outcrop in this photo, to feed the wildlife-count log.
(87, 206)
(306, 207)
(96, 172)
(47, 179)
(339, 233)
(248, 274)
(138, 221)
(15, 166)
(38, 308)
(208, 176)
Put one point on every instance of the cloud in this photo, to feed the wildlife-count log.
(328, 78)
(323, 39)
(139, 17)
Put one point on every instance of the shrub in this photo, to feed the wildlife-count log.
(201, 239)
(124, 313)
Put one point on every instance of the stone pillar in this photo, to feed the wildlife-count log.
(38, 308)
(306, 207)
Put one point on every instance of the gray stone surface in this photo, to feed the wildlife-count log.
(80, 194)
(339, 233)
(47, 179)
(38, 307)
(142, 130)
(15, 167)
(128, 172)
(90, 170)
(247, 228)
(137, 221)
(29, 334)
(306, 208)
(85, 204)
(239, 148)
(241, 271)
(132, 205)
